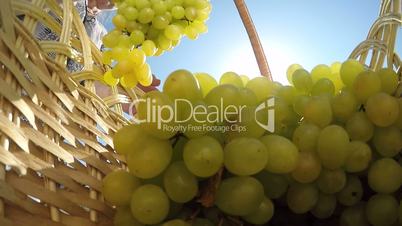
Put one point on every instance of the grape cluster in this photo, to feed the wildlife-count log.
(148, 28)
(333, 159)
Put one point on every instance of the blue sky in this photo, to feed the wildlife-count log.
(307, 32)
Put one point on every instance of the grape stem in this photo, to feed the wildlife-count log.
(207, 196)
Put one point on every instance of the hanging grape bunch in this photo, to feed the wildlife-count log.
(149, 28)
(334, 157)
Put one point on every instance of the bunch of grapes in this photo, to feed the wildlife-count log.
(334, 157)
(148, 28)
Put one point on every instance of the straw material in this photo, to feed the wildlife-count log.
(55, 132)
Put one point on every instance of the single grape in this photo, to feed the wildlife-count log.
(325, 206)
(206, 82)
(389, 80)
(137, 57)
(231, 78)
(352, 193)
(137, 37)
(359, 157)
(359, 127)
(382, 210)
(308, 168)
(354, 216)
(287, 93)
(385, 175)
(141, 4)
(144, 75)
(382, 109)
(302, 198)
(119, 21)
(239, 196)
(300, 103)
(332, 146)
(247, 97)
(148, 47)
(388, 141)
(398, 122)
(159, 7)
(163, 42)
(124, 217)
(173, 32)
(118, 186)
(336, 67)
(331, 181)
(120, 53)
(111, 39)
(302, 80)
(318, 111)
(223, 95)
(290, 72)
(245, 156)
(263, 214)
(350, 69)
(175, 83)
(305, 137)
(149, 204)
(146, 15)
(131, 13)
(122, 145)
(365, 85)
(180, 185)
(320, 71)
(282, 154)
(178, 12)
(323, 86)
(160, 22)
(151, 159)
(244, 79)
(190, 13)
(124, 41)
(248, 120)
(203, 156)
(191, 32)
(262, 87)
(109, 79)
(344, 105)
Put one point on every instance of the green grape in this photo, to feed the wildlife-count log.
(177, 222)
(300, 103)
(318, 111)
(320, 71)
(325, 206)
(143, 27)
(130, 13)
(111, 39)
(248, 119)
(382, 210)
(118, 186)
(157, 123)
(287, 93)
(382, 109)
(159, 7)
(350, 69)
(203, 156)
(284, 114)
(129, 81)
(389, 80)
(398, 122)
(385, 175)
(109, 79)
(365, 85)
(145, 78)
(197, 125)
(119, 21)
(191, 32)
(120, 53)
(262, 87)
(282, 154)
(275, 185)
(245, 156)
(308, 168)
(323, 86)
(149, 204)
(107, 57)
(123, 67)
(231, 78)
(146, 15)
(302, 80)
(137, 57)
(148, 47)
(180, 185)
(290, 72)
(164, 43)
(188, 3)
(239, 196)
(173, 32)
(359, 157)
(263, 214)
(122, 6)
(336, 67)
(160, 22)
(141, 4)
(201, 4)
(175, 83)
(352, 193)
(178, 12)
(151, 159)
(128, 2)
(344, 105)
(206, 82)
(332, 146)
(132, 26)
(388, 141)
(305, 137)
(247, 97)
(178, 147)
(137, 37)
(302, 198)
(244, 79)
(124, 217)
(359, 127)
(153, 33)
(124, 41)
(202, 15)
(202, 222)
(200, 27)
(354, 216)
(190, 13)
(336, 79)
(122, 144)
(331, 181)
(223, 95)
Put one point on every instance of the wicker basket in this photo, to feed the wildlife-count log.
(55, 132)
